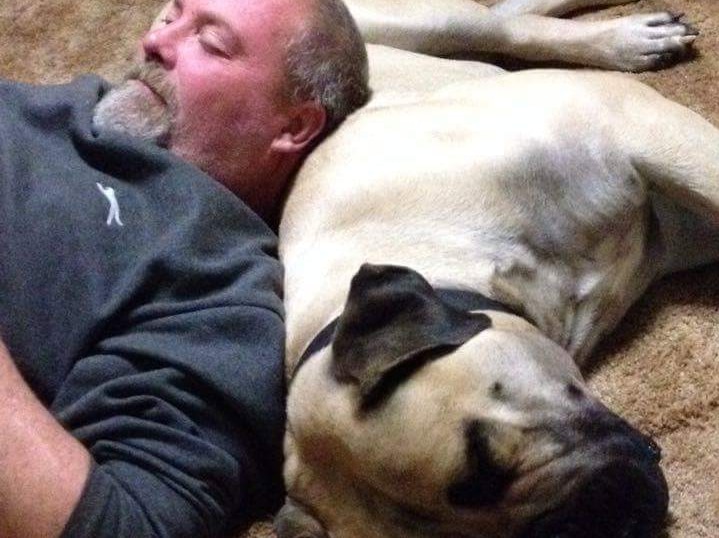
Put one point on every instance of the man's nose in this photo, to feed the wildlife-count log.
(160, 45)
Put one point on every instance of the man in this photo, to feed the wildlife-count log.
(141, 320)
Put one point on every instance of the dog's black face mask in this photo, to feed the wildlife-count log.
(424, 419)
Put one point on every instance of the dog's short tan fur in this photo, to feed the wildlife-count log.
(561, 194)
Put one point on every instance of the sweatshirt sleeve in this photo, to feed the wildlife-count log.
(177, 414)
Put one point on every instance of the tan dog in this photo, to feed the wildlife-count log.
(416, 410)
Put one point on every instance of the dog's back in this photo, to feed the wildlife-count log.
(475, 182)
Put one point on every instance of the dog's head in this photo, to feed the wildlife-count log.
(422, 420)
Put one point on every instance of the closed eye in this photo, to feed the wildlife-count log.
(172, 13)
(213, 44)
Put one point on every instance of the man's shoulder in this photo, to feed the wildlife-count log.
(122, 206)
(84, 88)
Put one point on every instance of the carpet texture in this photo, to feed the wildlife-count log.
(660, 369)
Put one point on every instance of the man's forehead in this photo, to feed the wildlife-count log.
(267, 16)
(259, 8)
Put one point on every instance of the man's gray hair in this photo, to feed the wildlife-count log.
(327, 62)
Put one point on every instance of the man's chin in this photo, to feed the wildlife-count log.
(134, 109)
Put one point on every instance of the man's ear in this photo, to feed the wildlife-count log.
(305, 122)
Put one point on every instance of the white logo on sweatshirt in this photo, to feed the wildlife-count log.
(114, 213)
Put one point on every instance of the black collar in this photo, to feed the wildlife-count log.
(460, 299)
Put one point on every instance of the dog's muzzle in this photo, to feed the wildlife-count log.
(623, 495)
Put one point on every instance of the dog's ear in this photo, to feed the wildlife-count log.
(392, 324)
(292, 521)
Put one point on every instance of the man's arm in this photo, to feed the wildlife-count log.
(183, 433)
(43, 469)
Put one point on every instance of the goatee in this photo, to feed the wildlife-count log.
(142, 106)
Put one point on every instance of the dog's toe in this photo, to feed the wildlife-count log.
(660, 18)
(674, 29)
(669, 43)
(658, 40)
(665, 24)
(659, 61)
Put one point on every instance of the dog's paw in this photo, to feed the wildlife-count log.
(644, 42)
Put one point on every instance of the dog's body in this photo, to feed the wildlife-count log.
(561, 195)
(537, 198)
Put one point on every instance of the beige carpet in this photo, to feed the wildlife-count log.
(660, 370)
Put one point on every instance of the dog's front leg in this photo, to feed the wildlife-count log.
(676, 152)
(555, 8)
(449, 27)
(633, 43)
(423, 26)
(673, 147)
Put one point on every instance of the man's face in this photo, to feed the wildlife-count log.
(211, 86)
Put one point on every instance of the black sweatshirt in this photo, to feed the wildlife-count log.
(141, 302)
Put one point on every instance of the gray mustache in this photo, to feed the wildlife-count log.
(153, 74)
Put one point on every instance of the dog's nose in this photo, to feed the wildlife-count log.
(621, 498)
(648, 448)
(620, 489)
(599, 425)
